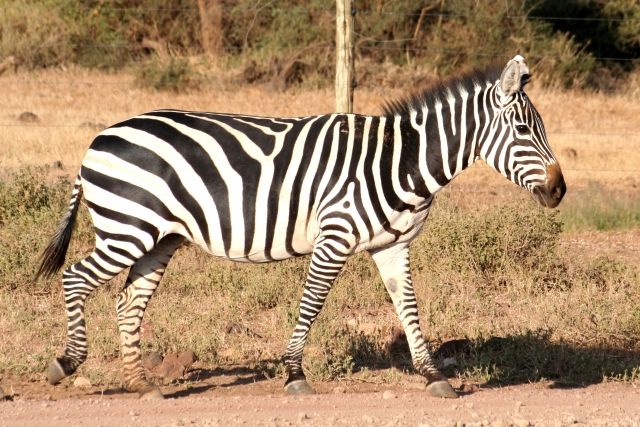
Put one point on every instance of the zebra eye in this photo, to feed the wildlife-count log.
(524, 129)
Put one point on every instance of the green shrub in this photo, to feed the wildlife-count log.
(26, 193)
(488, 241)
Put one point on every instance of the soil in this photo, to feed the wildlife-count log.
(244, 399)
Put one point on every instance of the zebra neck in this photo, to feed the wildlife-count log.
(440, 140)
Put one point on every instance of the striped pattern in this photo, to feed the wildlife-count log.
(258, 189)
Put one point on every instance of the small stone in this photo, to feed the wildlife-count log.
(187, 358)
(81, 382)
(28, 117)
(133, 413)
(388, 394)
(569, 153)
(302, 416)
(339, 390)
(152, 360)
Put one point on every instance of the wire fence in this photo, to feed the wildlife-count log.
(397, 44)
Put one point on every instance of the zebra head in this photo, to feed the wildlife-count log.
(517, 145)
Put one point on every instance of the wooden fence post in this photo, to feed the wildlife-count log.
(211, 27)
(345, 75)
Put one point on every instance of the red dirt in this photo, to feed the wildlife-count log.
(240, 399)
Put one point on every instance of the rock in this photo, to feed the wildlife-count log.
(152, 360)
(28, 117)
(302, 416)
(186, 359)
(170, 369)
(569, 153)
(388, 394)
(81, 382)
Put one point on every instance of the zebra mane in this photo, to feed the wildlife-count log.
(440, 90)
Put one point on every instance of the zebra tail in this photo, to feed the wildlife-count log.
(52, 259)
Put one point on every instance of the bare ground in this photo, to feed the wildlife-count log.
(231, 399)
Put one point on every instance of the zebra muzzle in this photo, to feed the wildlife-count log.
(550, 194)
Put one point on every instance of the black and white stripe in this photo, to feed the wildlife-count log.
(259, 189)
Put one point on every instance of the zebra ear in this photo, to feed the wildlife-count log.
(514, 76)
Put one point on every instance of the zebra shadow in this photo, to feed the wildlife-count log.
(523, 358)
(200, 380)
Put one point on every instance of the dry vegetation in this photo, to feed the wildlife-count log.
(565, 305)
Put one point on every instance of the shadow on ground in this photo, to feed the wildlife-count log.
(527, 357)
(493, 362)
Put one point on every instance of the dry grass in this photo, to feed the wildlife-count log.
(603, 131)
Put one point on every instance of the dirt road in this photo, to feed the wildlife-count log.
(337, 404)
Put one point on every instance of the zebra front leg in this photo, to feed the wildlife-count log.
(78, 281)
(143, 279)
(393, 264)
(327, 260)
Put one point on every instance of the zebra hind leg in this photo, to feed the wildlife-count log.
(393, 265)
(143, 279)
(78, 281)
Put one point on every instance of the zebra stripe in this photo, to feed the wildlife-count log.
(259, 189)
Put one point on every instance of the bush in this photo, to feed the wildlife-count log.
(488, 242)
(29, 207)
(171, 74)
(27, 194)
(34, 34)
(435, 36)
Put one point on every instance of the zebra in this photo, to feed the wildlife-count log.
(261, 189)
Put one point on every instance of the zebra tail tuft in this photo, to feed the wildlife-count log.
(52, 259)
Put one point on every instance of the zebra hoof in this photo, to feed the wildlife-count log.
(442, 389)
(153, 393)
(55, 373)
(298, 387)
